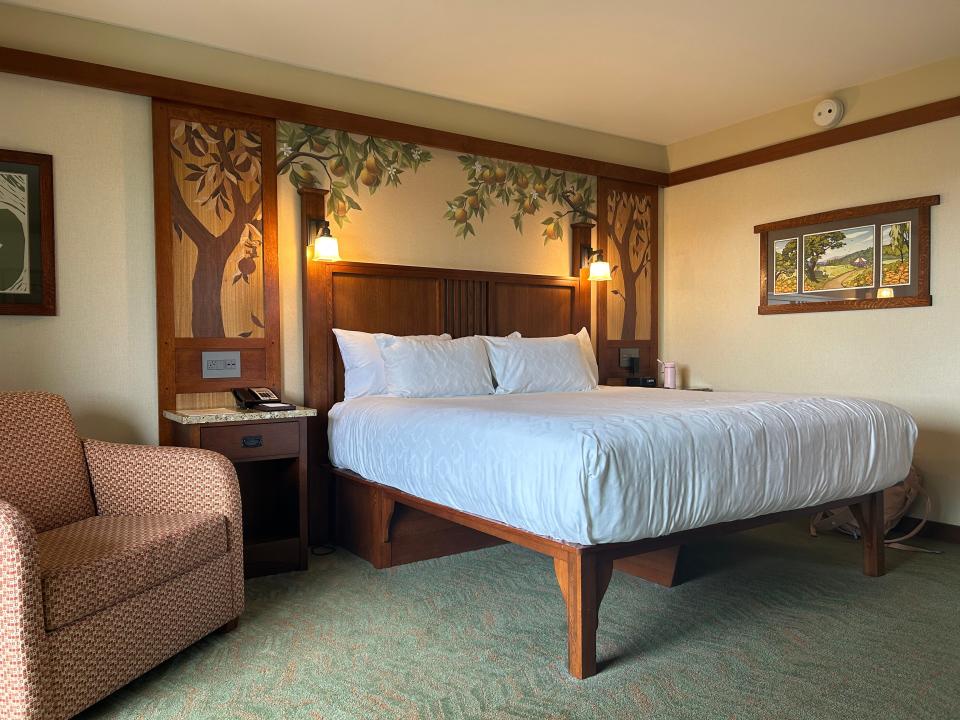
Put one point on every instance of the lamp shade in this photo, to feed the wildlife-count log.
(326, 248)
(599, 270)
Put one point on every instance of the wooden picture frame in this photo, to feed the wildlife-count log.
(28, 284)
(839, 258)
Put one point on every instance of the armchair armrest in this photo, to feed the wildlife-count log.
(147, 480)
(21, 616)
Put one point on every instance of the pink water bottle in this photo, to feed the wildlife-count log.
(669, 375)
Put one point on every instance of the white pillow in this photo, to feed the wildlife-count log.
(583, 337)
(531, 365)
(417, 367)
(362, 362)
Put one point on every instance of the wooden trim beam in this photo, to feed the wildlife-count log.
(901, 120)
(78, 72)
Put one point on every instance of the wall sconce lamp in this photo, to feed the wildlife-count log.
(326, 248)
(599, 268)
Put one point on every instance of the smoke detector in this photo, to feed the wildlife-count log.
(828, 113)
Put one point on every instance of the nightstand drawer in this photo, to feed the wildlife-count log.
(251, 442)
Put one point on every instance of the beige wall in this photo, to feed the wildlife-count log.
(907, 357)
(404, 225)
(100, 350)
(28, 29)
(918, 86)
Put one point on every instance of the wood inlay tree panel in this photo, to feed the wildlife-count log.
(627, 307)
(215, 205)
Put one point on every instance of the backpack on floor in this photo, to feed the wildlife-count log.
(896, 501)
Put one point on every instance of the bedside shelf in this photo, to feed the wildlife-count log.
(269, 452)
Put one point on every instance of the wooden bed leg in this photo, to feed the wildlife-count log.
(869, 516)
(583, 580)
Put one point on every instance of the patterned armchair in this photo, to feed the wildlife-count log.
(113, 558)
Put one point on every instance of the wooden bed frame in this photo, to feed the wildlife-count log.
(388, 527)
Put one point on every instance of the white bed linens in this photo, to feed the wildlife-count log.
(621, 464)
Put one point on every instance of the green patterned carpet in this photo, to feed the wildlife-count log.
(771, 624)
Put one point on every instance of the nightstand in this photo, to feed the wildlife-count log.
(269, 451)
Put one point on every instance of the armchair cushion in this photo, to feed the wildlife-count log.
(95, 563)
(42, 468)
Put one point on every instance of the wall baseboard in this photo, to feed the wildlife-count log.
(933, 529)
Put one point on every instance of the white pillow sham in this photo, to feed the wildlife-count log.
(583, 337)
(530, 365)
(363, 363)
(417, 367)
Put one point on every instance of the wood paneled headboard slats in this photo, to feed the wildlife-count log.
(406, 300)
(465, 307)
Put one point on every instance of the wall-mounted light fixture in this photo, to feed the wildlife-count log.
(321, 246)
(325, 246)
(599, 268)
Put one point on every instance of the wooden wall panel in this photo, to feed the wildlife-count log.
(215, 191)
(533, 310)
(465, 307)
(396, 305)
(628, 304)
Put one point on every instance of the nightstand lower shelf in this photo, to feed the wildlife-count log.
(270, 457)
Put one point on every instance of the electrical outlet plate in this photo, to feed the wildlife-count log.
(220, 364)
(626, 354)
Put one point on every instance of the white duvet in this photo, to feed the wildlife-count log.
(620, 464)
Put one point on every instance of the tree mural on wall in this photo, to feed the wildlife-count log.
(217, 205)
(316, 157)
(628, 230)
(523, 188)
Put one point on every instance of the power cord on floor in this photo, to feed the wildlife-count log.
(327, 550)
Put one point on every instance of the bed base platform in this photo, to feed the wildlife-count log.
(388, 527)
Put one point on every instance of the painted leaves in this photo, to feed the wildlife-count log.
(216, 158)
(318, 157)
(525, 189)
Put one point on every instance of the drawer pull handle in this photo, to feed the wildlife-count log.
(252, 441)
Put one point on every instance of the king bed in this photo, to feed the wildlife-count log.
(584, 477)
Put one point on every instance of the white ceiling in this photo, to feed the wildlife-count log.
(658, 71)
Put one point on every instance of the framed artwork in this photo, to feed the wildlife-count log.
(859, 258)
(27, 267)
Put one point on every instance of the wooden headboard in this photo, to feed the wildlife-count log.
(413, 300)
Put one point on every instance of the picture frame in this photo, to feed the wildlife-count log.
(857, 258)
(27, 260)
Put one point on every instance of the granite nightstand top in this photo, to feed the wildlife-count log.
(201, 416)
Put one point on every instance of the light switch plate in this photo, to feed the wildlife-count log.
(221, 364)
(626, 354)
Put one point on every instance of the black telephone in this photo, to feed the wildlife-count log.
(259, 398)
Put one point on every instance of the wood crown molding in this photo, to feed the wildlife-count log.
(78, 72)
(901, 120)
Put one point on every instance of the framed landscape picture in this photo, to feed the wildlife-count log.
(27, 267)
(871, 256)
